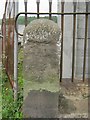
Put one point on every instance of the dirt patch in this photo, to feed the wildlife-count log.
(78, 93)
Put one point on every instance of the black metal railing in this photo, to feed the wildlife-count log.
(62, 14)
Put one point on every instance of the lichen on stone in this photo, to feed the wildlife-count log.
(42, 30)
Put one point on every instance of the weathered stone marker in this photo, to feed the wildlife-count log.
(41, 52)
(41, 67)
(43, 96)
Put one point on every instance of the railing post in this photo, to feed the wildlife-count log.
(50, 9)
(73, 50)
(15, 88)
(25, 2)
(85, 42)
(62, 31)
(38, 2)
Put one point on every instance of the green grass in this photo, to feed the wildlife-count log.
(12, 109)
(0, 94)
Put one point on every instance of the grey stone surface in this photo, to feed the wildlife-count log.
(68, 38)
(46, 104)
(80, 40)
(81, 7)
(42, 51)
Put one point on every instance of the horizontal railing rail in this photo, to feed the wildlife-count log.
(74, 14)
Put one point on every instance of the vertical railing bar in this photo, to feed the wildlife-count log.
(13, 39)
(25, 2)
(2, 39)
(3, 36)
(15, 88)
(14, 9)
(85, 42)
(9, 8)
(38, 2)
(50, 9)
(62, 30)
(73, 50)
(8, 40)
(5, 6)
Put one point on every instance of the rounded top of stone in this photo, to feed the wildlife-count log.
(42, 30)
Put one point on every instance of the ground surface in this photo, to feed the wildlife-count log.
(78, 93)
(70, 102)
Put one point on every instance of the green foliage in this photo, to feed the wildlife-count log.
(0, 94)
(21, 19)
(10, 108)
